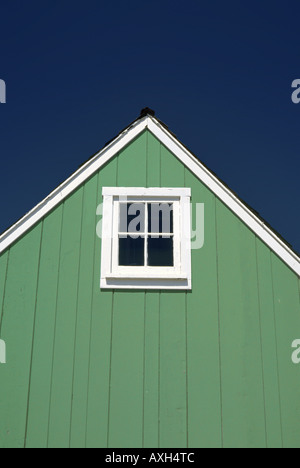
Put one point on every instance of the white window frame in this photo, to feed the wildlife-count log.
(114, 276)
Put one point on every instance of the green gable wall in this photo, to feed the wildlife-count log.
(209, 367)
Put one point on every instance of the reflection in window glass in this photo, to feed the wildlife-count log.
(160, 218)
(132, 217)
(131, 251)
(160, 252)
(156, 244)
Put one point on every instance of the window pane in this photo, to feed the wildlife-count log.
(160, 217)
(160, 251)
(132, 217)
(131, 251)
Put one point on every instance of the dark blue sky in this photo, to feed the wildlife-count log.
(217, 73)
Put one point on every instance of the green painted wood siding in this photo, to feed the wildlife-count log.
(209, 367)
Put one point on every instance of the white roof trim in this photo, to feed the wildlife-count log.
(203, 174)
(71, 184)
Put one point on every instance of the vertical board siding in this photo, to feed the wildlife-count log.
(63, 352)
(287, 314)
(83, 316)
(132, 163)
(204, 385)
(173, 346)
(151, 406)
(127, 363)
(173, 369)
(151, 371)
(242, 383)
(127, 358)
(207, 368)
(100, 338)
(153, 161)
(17, 330)
(41, 373)
(269, 347)
(3, 276)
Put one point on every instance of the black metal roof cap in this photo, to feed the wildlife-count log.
(147, 111)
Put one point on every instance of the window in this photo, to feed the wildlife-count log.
(146, 234)
(146, 238)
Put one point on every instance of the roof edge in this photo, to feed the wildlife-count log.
(65, 189)
(227, 196)
(161, 131)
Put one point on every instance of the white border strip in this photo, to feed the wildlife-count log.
(101, 158)
(111, 277)
(146, 192)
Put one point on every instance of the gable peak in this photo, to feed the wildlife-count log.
(147, 111)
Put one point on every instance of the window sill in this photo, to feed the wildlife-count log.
(175, 276)
(171, 282)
